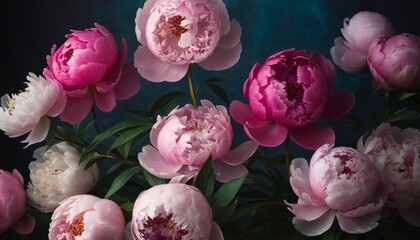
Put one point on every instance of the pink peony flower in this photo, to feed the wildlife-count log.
(350, 53)
(395, 62)
(90, 69)
(396, 154)
(173, 211)
(13, 204)
(175, 33)
(28, 111)
(286, 95)
(58, 174)
(87, 217)
(340, 183)
(185, 139)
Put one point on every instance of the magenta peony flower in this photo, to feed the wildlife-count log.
(396, 154)
(175, 33)
(340, 183)
(90, 69)
(173, 211)
(58, 174)
(13, 204)
(350, 53)
(395, 62)
(287, 94)
(28, 111)
(185, 139)
(87, 217)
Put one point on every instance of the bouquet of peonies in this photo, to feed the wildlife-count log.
(174, 171)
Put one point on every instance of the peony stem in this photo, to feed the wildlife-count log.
(286, 155)
(191, 86)
(95, 123)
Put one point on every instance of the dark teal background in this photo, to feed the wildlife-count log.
(30, 28)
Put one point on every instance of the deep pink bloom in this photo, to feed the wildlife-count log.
(185, 139)
(340, 183)
(90, 68)
(350, 53)
(395, 62)
(173, 211)
(87, 217)
(396, 154)
(13, 204)
(175, 33)
(286, 95)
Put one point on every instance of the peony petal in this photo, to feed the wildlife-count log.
(222, 58)
(315, 227)
(269, 135)
(224, 16)
(105, 101)
(327, 68)
(348, 60)
(141, 19)
(151, 160)
(129, 84)
(358, 225)
(299, 180)
(216, 232)
(312, 137)
(155, 70)
(308, 211)
(411, 215)
(225, 172)
(39, 133)
(77, 108)
(242, 114)
(240, 154)
(25, 225)
(233, 37)
(338, 105)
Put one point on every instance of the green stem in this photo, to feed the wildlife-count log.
(191, 86)
(286, 155)
(95, 123)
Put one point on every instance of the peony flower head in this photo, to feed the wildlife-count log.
(395, 62)
(176, 33)
(28, 111)
(286, 95)
(350, 53)
(13, 204)
(340, 183)
(57, 174)
(396, 154)
(173, 211)
(87, 217)
(90, 68)
(187, 137)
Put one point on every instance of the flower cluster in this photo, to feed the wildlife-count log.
(175, 172)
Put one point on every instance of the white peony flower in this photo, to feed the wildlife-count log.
(28, 111)
(56, 175)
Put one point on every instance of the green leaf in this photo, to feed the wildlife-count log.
(223, 215)
(164, 100)
(219, 92)
(227, 192)
(122, 179)
(128, 206)
(152, 179)
(205, 179)
(130, 135)
(403, 114)
(92, 159)
(216, 79)
(86, 129)
(405, 95)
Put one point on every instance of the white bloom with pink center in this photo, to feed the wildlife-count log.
(57, 174)
(396, 154)
(87, 217)
(29, 110)
(173, 211)
(187, 137)
(175, 33)
(340, 183)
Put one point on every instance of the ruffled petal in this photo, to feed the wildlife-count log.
(240, 154)
(338, 104)
(312, 137)
(129, 83)
(105, 101)
(39, 133)
(222, 58)
(77, 108)
(225, 172)
(308, 211)
(315, 227)
(155, 70)
(231, 39)
(269, 135)
(151, 160)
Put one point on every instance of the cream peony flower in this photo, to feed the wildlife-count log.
(56, 175)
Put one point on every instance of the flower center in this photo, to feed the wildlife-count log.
(162, 227)
(76, 227)
(175, 22)
(345, 160)
(294, 91)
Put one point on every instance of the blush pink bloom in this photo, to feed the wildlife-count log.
(350, 53)
(340, 183)
(185, 139)
(396, 154)
(395, 62)
(286, 95)
(87, 217)
(90, 68)
(176, 33)
(13, 204)
(173, 211)
(29, 111)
